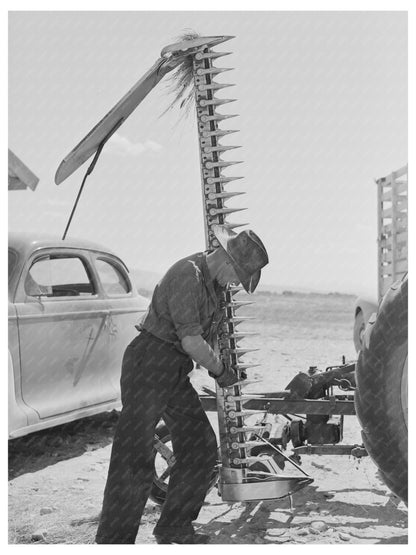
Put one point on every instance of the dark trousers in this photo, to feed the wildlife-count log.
(154, 384)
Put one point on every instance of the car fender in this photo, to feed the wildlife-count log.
(364, 308)
(367, 306)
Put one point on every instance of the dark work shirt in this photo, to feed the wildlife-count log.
(185, 302)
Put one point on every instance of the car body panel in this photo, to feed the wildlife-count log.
(66, 351)
(64, 354)
(119, 330)
(19, 413)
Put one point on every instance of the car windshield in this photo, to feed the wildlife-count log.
(12, 262)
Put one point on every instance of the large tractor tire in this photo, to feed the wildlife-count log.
(381, 395)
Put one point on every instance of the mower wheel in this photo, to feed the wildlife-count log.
(163, 465)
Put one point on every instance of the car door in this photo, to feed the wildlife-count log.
(125, 309)
(62, 321)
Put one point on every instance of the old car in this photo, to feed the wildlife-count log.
(72, 312)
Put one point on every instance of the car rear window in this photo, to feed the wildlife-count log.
(61, 276)
(112, 278)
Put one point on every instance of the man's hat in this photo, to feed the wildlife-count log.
(246, 252)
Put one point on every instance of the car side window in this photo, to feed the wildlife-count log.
(113, 280)
(62, 276)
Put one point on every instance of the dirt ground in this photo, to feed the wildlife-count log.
(57, 477)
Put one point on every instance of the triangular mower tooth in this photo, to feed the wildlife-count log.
(246, 366)
(211, 55)
(243, 334)
(222, 179)
(237, 320)
(216, 117)
(215, 86)
(221, 164)
(218, 133)
(238, 304)
(241, 352)
(215, 101)
(216, 211)
(219, 148)
(214, 196)
(213, 70)
(234, 225)
(221, 117)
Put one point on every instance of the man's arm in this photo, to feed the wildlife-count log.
(199, 350)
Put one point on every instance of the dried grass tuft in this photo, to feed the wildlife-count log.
(180, 83)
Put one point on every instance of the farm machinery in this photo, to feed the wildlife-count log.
(253, 463)
(392, 245)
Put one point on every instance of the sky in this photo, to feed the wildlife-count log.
(322, 104)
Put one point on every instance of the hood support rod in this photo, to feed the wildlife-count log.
(89, 172)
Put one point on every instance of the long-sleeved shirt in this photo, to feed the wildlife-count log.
(185, 302)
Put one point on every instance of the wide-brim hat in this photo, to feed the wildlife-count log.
(246, 252)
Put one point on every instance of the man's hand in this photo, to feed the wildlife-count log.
(228, 376)
(199, 350)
